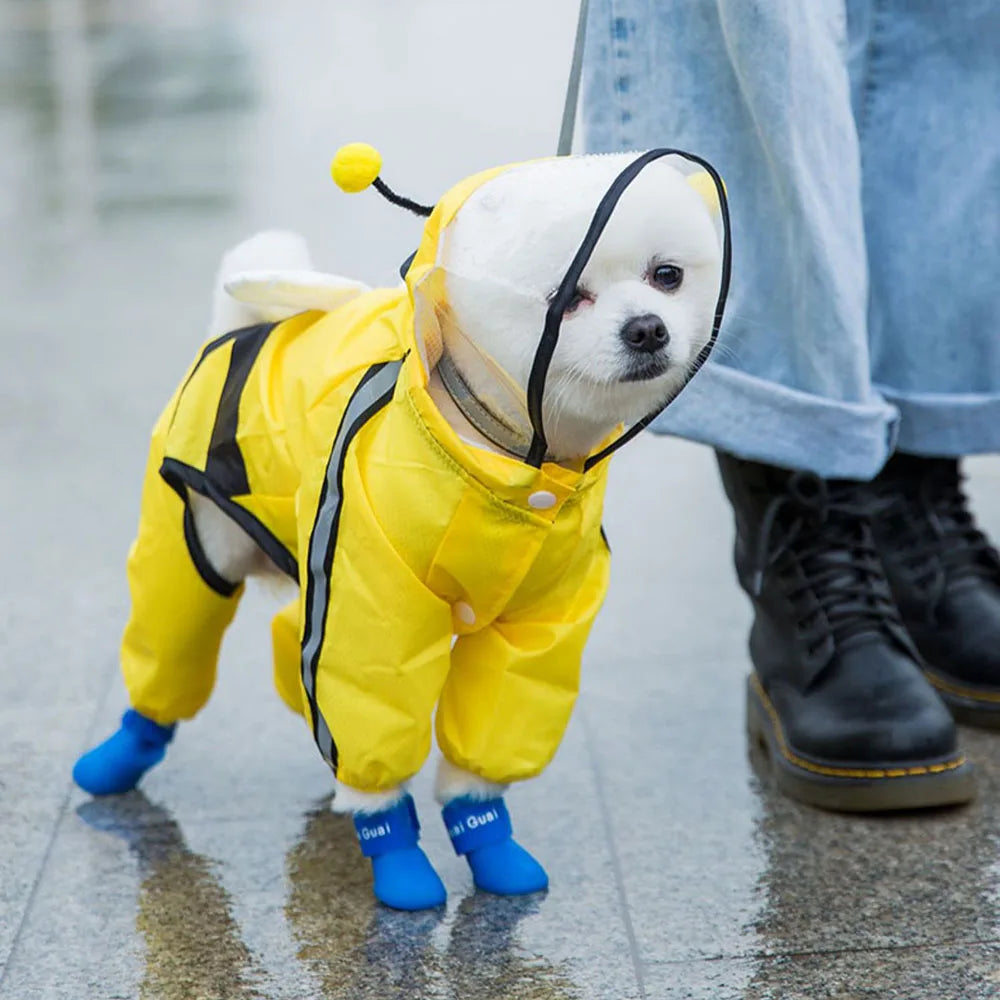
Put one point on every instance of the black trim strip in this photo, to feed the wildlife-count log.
(180, 477)
(405, 266)
(225, 466)
(218, 583)
(372, 393)
(212, 345)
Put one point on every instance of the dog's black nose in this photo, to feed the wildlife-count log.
(646, 334)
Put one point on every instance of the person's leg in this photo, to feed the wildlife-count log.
(762, 90)
(925, 78)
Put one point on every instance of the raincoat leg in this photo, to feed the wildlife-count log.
(172, 639)
(512, 684)
(286, 642)
(509, 696)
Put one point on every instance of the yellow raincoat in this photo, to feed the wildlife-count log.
(319, 437)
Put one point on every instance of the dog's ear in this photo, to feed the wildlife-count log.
(704, 185)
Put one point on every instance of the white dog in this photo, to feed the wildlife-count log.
(634, 328)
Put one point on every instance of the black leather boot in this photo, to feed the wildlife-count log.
(945, 578)
(837, 696)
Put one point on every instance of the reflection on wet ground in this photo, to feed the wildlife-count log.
(887, 900)
(142, 137)
(193, 944)
(357, 948)
(354, 948)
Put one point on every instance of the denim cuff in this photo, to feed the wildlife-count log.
(946, 425)
(768, 422)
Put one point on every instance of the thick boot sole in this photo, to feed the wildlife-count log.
(967, 705)
(834, 786)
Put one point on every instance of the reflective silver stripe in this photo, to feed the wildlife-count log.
(324, 739)
(373, 392)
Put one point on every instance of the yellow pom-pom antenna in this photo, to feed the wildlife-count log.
(356, 167)
(704, 185)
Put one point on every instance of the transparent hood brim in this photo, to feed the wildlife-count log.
(480, 385)
(488, 395)
(692, 166)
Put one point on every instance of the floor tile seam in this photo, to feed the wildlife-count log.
(764, 956)
(57, 823)
(616, 866)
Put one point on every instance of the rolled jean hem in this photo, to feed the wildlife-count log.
(946, 425)
(768, 422)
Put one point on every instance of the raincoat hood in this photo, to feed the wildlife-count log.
(513, 415)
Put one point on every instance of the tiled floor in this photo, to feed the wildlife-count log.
(139, 140)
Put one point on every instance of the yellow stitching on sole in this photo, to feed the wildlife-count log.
(962, 692)
(845, 772)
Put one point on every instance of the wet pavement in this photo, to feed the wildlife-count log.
(139, 140)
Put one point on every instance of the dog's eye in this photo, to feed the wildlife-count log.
(580, 296)
(668, 277)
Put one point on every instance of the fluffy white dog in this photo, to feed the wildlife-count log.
(453, 420)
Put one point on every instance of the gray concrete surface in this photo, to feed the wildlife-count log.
(139, 139)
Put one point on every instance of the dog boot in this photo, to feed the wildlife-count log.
(481, 831)
(404, 878)
(117, 764)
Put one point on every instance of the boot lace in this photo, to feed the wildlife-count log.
(821, 529)
(934, 534)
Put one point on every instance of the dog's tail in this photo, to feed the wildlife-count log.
(271, 250)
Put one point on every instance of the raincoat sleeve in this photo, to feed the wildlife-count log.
(513, 684)
(375, 641)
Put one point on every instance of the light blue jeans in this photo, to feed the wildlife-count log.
(860, 144)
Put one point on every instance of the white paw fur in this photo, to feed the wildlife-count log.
(453, 782)
(352, 801)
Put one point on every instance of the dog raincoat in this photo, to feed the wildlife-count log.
(318, 436)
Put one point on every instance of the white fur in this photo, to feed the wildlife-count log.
(504, 254)
(351, 800)
(273, 248)
(232, 553)
(512, 242)
(453, 782)
(279, 292)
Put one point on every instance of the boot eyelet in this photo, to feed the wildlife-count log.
(808, 489)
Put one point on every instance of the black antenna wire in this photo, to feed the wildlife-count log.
(397, 199)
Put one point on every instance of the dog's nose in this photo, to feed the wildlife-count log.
(646, 334)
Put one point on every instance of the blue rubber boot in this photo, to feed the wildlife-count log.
(481, 831)
(117, 764)
(404, 878)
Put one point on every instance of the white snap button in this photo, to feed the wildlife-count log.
(464, 613)
(542, 500)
